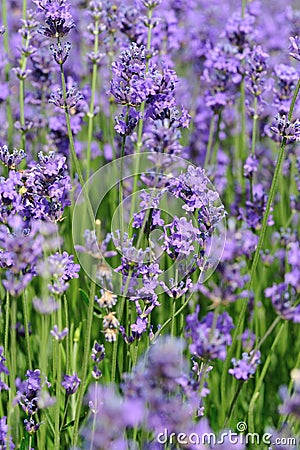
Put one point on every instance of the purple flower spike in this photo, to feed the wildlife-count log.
(245, 367)
(71, 383)
(59, 335)
(295, 47)
(4, 437)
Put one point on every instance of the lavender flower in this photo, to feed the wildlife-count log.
(12, 160)
(286, 77)
(71, 383)
(61, 269)
(128, 85)
(45, 306)
(210, 336)
(245, 367)
(295, 47)
(110, 327)
(180, 238)
(110, 416)
(291, 403)
(126, 122)
(28, 393)
(98, 354)
(107, 299)
(287, 129)
(3, 369)
(5, 439)
(160, 381)
(97, 250)
(283, 301)
(59, 335)
(20, 250)
(73, 96)
(57, 17)
(59, 53)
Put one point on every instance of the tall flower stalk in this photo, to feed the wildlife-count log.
(259, 247)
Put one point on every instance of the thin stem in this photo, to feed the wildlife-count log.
(253, 142)
(26, 319)
(233, 403)
(94, 418)
(121, 181)
(141, 121)
(257, 347)
(210, 141)
(92, 104)
(255, 117)
(72, 146)
(22, 90)
(7, 74)
(256, 254)
(65, 412)
(85, 360)
(261, 378)
(13, 362)
(173, 317)
(58, 352)
(242, 144)
(120, 316)
(166, 323)
(67, 338)
(7, 312)
(57, 394)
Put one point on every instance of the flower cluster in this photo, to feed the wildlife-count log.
(28, 393)
(210, 336)
(244, 368)
(58, 19)
(71, 383)
(39, 192)
(21, 248)
(4, 370)
(59, 268)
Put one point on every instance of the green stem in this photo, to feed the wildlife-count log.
(256, 254)
(9, 115)
(121, 181)
(57, 394)
(6, 332)
(243, 7)
(72, 146)
(92, 104)
(141, 123)
(210, 141)
(58, 352)
(257, 347)
(120, 316)
(26, 319)
(94, 419)
(242, 145)
(67, 338)
(12, 367)
(65, 412)
(255, 117)
(233, 403)
(261, 378)
(85, 360)
(173, 317)
(166, 323)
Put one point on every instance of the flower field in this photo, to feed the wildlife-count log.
(149, 225)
